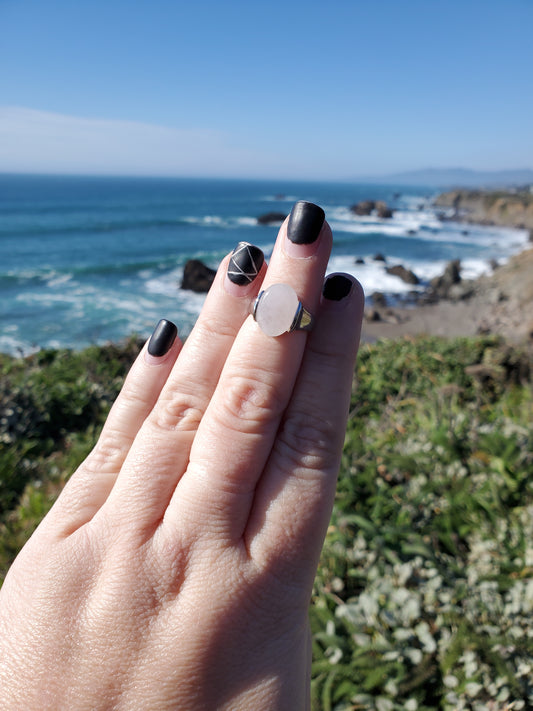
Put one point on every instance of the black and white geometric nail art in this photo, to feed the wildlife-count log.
(245, 263)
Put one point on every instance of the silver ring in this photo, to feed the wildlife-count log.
(278, 310)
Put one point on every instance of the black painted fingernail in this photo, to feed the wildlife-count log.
(337, 287)
(245, 263)
(162, 338)
(305, 222)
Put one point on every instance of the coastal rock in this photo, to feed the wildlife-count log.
(359, 260)
(452, 275)
(383, 210)
(372, 315)
(379, 257)
(379, 299)
(197, 276)
(363, 208)
(406, 275)
(460, 292)
(271, 218)
(369, 207)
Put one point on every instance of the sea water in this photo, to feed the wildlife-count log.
(88, 260)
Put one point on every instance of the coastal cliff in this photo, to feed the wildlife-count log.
(490, 207)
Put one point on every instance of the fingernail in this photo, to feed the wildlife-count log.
(243, 267)
(305, 222)
(162, 338)
(304, 226)
(337, 287)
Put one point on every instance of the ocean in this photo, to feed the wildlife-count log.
(87, 260)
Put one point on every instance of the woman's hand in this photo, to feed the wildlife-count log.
(175, 569)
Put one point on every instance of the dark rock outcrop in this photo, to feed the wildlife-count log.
(452, 275)
(406, 275)
(383, 210)
(197, 276)
(369, 207)
(271, 218)
(363, 208)
(379, 299)
(372, 315)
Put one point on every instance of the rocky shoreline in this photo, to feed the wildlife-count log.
(500, 303)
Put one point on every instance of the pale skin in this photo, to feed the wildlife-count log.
(176, 567)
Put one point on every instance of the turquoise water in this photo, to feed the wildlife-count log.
(87, 260)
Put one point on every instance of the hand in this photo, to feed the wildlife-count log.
(176, 567)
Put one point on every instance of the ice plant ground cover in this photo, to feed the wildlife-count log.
(424, 594)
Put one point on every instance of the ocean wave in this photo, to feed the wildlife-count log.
(58, 277)
(39, 229)
(15, 345)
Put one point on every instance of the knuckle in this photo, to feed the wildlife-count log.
(250, 403)
(108, 453)
(307, 441)
(179, 412)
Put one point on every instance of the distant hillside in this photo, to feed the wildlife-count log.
(460, 178)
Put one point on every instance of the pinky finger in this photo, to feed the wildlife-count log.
(90, 485)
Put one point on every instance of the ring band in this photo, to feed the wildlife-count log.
(278, 310)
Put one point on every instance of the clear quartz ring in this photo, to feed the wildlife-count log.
(278, 310)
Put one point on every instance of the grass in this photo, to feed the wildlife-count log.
(424, 594)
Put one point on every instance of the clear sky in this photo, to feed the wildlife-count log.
(319, 90)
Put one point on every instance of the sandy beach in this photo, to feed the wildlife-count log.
(500, 303)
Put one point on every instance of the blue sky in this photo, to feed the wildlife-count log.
(320, 90)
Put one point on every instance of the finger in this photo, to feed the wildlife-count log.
(90, 485)
(294, 499)
(161, 451)
(238, 429)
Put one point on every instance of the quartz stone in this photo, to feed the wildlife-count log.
(276, 309)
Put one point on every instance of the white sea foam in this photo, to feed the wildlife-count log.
(58, 280)
(16, 345)
(280, 198)
(246, 221)
(205, 220)
(231, 222)
(372, 275)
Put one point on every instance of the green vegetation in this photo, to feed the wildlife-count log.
(424, 595)
(52, 406)
(424, 598)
